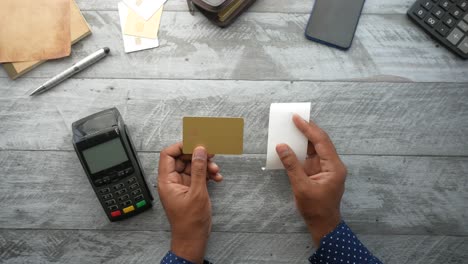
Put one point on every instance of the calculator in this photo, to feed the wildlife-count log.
(444, 20)
(106, 152)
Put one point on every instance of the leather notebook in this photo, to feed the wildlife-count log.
(79, 29)
(220, 12)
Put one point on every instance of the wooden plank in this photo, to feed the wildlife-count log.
(384, 195)
(84, 246)
(275, 6)
(265, 46)
(362, 118)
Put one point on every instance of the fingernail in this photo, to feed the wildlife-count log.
(282, 150)
(215, 166)
(199, 154)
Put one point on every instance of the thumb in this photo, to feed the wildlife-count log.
(292, 165)
(199, 168)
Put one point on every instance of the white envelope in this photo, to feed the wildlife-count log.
(132, 43)
(281, 129)
(145, 8)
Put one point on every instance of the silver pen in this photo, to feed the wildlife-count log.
(77, 67)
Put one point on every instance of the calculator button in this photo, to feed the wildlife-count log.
(141, 204)
(431, 21)
(116, 213)
(110, 202)
(128, 171)
(455, 36)
(125, 197)
(463, 5)
(438, 12)
(98, 182)
(466, 18)
(420, 12)
(126, 203)
(106, 179)
(129, 209)
(445, 4)
(118, 186)
(448, 20)
(138, 198)
(113, 207)
(442, 29)
(427, 4)
(464, 45)
(133, 186)
(105, 190)
(107, 196)
(135, 192)
(463, 26)
(120, 192)
(131, 180)
(456, 12)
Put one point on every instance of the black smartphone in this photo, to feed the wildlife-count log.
(334, 22)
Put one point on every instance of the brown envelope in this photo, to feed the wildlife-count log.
(34, 29)
(219, 135)
(138, 27)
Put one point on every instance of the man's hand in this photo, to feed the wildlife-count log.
(183, 192)
(318, 185)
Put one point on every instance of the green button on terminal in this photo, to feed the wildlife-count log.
(141, 204)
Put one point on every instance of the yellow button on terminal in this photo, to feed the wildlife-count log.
(127, 210)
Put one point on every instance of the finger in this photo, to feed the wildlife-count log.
(188, 168)
(312, 162)
(179, 165)
(188, 157)
(213, 168)
(321, 141)
(199, 170)
(292, 165)
(167, 163)
(217, 178)
(186, 179)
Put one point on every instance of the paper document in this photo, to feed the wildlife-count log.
(132, 43)
(281, 129)
(145, 8)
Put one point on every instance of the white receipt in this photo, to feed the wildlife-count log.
(281, 129)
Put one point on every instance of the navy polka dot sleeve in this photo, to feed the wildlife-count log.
(342, 246)
(171, 258)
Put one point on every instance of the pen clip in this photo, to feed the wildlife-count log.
(191, 7)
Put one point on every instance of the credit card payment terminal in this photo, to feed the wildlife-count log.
(108, 157)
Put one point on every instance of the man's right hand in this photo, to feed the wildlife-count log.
(318, 185)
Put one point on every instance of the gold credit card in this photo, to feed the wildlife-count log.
(219, 135)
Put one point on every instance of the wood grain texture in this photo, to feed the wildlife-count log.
(362, 118)
(265, 46)
(384, 195)
(84, 246)
(274, 6)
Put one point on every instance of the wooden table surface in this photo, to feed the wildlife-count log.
(395, 104)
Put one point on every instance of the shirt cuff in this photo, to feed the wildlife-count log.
(342, 246)
(172, 258)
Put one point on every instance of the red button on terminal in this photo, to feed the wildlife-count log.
(116, 213)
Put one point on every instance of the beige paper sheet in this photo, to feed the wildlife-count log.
(139, 27)
(34, 30)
